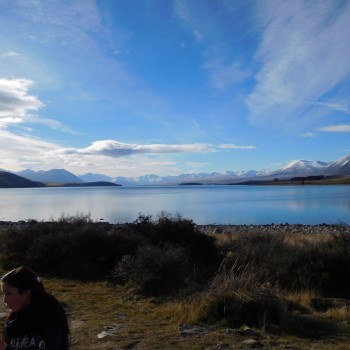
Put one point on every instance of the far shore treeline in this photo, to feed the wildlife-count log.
(236, 277)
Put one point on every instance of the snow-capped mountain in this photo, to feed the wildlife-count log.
(293, 169)
(338, 167)
(301, 168)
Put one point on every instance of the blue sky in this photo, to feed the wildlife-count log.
(134, 87)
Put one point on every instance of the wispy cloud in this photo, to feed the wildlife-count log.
(340, 106)
(308, 134)
(206, 26)
(336, 128)
(187, 17)
(225, 75)
(303, 56)
(52, 124)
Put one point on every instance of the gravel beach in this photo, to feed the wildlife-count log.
(274, 228)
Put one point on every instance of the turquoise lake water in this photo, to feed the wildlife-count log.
(203, 204)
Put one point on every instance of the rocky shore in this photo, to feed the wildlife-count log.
(275, 228)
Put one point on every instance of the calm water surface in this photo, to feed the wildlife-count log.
(202, 204)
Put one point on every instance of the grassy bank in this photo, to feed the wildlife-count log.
(145, 284)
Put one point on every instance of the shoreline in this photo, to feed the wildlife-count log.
(230, 228)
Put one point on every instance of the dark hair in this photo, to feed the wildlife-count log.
(25, 279)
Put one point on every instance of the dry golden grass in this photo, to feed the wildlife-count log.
(148, 323)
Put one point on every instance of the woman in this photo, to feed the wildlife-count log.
(37, 320)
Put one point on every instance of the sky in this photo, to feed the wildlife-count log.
(167, 87)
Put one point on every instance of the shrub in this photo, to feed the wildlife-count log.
(174, 230)
(70, 247)
(79, 248)
(155, 270)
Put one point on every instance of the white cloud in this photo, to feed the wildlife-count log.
(17, 105)
(116, 149)
(21, 151)
(15, 101)
(229, 146)
(10, 54)
(336, 128)
(303, 56)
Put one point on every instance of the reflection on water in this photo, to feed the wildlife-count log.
(202, 204)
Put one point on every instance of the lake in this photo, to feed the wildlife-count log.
(236, 205)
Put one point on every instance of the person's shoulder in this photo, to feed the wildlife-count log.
(52, 308)
(48, 300)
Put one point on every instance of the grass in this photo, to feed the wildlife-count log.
(153, 323)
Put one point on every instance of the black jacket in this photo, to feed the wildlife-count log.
(44, 320)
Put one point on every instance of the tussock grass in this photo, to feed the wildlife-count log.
(241, 297)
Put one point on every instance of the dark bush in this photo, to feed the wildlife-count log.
(70, 247)
(76, 247)
(155, 270)
(174, 230)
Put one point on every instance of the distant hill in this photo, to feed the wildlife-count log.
(9, 180)
(53, 175)
(90, 177)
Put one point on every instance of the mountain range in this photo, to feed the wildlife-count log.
(339, 167)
